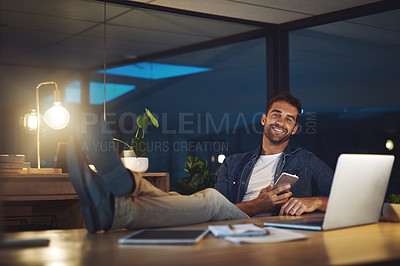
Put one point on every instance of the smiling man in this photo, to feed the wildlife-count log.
(247, 179)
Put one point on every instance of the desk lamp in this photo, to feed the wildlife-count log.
(57, 117)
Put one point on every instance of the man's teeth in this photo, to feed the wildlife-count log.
(277, 129)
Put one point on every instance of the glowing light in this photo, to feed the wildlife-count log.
(32, 122)
(92, 167)
(57, 117)
(389, 144)
(221, 158)
(29, 121)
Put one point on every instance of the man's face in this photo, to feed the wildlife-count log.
(280, 122)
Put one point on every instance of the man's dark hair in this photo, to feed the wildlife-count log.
(286, 97)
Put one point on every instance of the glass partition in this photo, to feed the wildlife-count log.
(346, 74)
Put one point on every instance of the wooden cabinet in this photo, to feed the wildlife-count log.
(48, 201)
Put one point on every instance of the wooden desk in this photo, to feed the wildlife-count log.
(378, 243)
(46, 196)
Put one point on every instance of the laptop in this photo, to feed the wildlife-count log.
(356, 197)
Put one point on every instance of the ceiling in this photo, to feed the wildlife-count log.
(268, 11)
(69, 34)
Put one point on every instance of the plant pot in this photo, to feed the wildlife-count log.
(391, 212)
(133, 163)
(128, 153)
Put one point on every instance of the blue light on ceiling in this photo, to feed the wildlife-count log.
(147, 70)
(113, 91)
(73, 92)
(96, 92)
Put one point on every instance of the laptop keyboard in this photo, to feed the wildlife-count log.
(304, 221)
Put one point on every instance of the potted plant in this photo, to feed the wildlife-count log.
(133, 157)
(198, 177)
(391, 208)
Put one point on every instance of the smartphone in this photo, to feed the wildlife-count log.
(286, 179)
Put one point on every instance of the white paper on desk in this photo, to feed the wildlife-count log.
(275, 235)
(236, 230)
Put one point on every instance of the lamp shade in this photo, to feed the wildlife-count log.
(57, 117)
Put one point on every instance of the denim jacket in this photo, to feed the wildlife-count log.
(315, 177)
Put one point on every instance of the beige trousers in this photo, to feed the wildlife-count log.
(148, 206)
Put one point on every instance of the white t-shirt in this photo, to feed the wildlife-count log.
(262, 175)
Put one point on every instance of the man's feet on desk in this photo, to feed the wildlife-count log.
(97, 203)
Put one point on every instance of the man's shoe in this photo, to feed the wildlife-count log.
(96, 205)
(97, 144)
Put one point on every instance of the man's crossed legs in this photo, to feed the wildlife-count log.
(115, 198)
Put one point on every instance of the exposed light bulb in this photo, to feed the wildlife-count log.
(57, 117)
(31, 122)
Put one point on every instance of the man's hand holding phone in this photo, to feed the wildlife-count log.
(270, 197)
(285, 179)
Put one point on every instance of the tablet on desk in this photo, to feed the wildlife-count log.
(164, 236)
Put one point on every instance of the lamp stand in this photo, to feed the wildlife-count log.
(56, 95)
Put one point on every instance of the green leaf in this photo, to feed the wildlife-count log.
(139, 145)
(145, 122)
(187, 166)
(139, 121)
(152, 118)
(197, 164)
(198, 179)
(198, 176)
(393, 198)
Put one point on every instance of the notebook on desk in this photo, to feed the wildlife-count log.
(356, 197)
